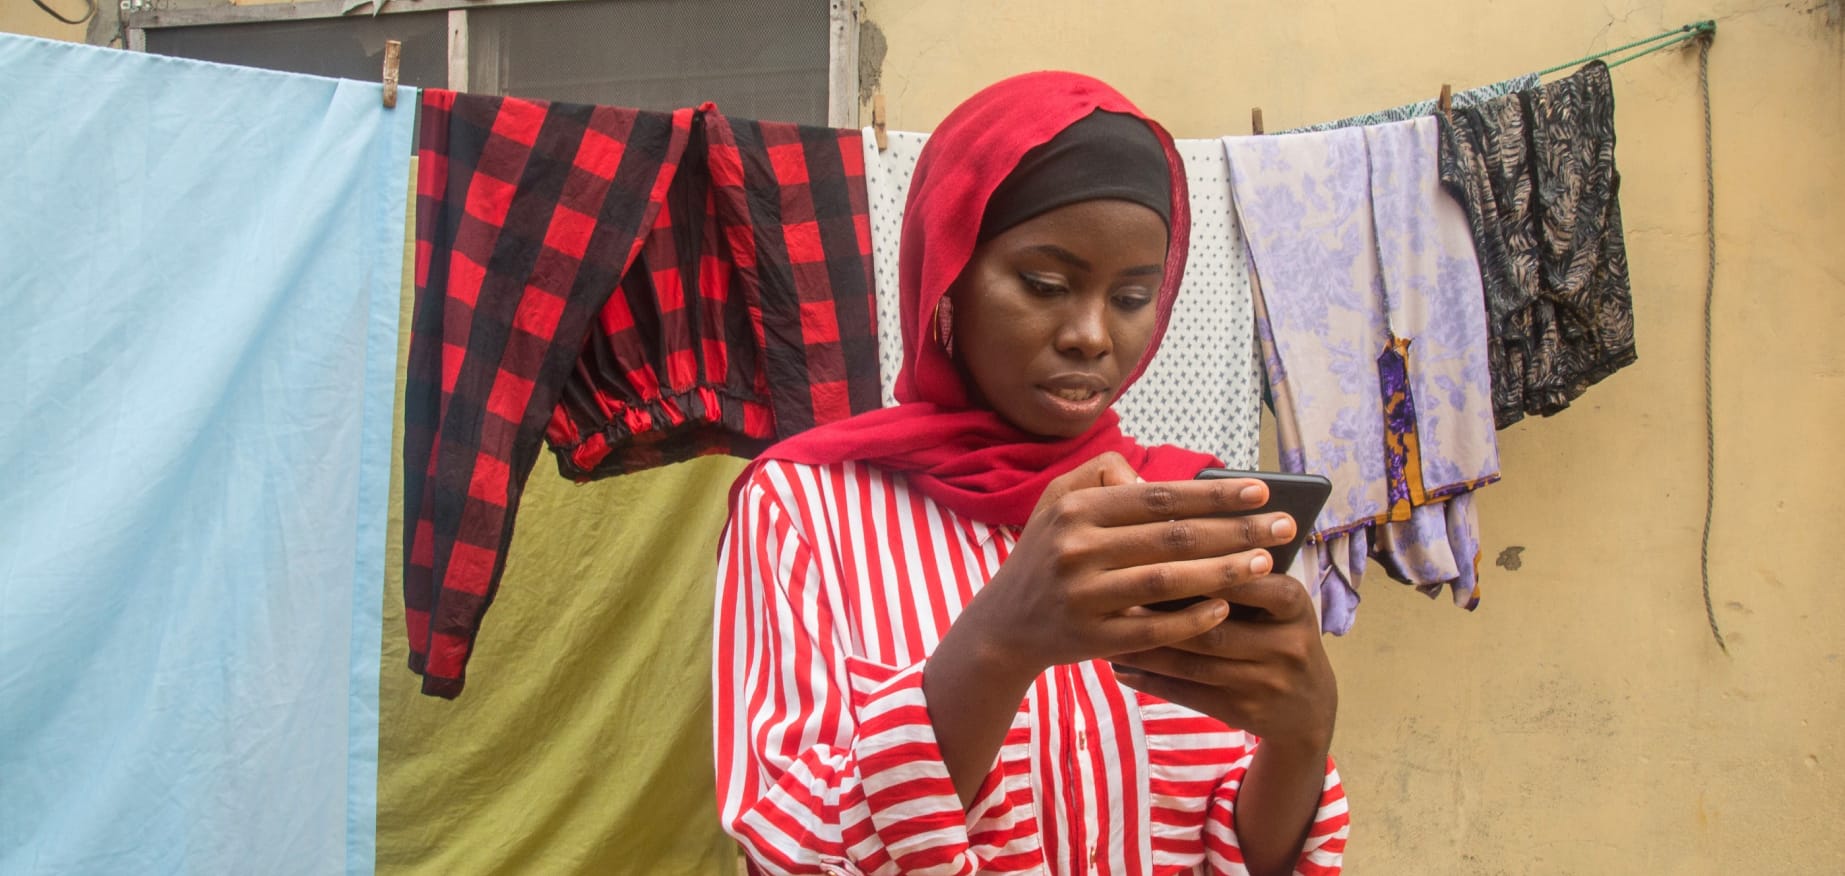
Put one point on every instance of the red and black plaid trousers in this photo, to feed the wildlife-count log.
(638, 288)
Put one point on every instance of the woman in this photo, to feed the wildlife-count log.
(932, 653)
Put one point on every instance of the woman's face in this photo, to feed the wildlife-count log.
(1052, 315)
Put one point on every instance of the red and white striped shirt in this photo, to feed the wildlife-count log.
(836, 582)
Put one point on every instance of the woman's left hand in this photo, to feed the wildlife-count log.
(1263, 669)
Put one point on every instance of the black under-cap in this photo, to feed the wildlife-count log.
(1106, 155)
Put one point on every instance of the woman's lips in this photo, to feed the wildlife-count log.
(1074, 402)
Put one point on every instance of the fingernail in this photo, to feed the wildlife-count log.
(1282, 528)
(1251, 493)
(1261, 564)
(1139, 480)
(1220, 609)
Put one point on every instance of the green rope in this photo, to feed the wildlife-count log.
(1703, 32)
(87, 15)
(1710, 289)
(1651, 49)
(1682, 32)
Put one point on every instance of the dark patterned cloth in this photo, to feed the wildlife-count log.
(1535, 171)
(638, 288)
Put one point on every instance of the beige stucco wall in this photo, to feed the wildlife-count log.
(22, 17)
(1582, 720)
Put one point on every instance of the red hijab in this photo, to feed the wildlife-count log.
(964, 456)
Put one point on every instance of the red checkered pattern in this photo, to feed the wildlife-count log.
(728, 330)
(749, 316)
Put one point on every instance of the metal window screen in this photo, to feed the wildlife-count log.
(761, 59)
(346, 48)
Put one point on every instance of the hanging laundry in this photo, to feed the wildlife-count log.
(1470, 97)
(748, 316)
(636, 287)
(1203, 391)
(200, 273)
(1536, 174)
(1373, 332)
(1331, 578)
(887, 190)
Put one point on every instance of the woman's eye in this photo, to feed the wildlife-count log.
(1042, 286)
(1132, 301)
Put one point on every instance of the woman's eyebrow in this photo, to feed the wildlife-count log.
(1144, 271)
(1062, 255)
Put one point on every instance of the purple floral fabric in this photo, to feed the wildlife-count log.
(1373, 327)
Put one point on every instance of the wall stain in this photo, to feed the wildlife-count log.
(1510, 559)
(871, 50)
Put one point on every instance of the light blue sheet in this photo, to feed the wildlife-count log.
(199, 287)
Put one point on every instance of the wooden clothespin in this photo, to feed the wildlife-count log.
(1447, 99)
(877, 121)
(393, 54)
(1255, 120)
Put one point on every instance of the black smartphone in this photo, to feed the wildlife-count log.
(1300, 495)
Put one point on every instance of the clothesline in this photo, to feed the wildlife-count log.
(1686, 32)
(1655, 43)
(1658, 42)
(1703, 31)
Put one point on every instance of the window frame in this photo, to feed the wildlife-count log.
(140, 16)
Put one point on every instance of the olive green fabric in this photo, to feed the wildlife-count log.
(583, 741)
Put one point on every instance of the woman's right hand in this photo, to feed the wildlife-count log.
(1100, 546)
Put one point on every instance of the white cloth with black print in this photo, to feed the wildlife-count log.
(887, 188)
(1203, 390)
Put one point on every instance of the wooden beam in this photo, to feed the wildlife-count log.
(458, 50)
(303, 11)
(842, 64)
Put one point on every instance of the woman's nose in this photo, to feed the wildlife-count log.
(1084, 332)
